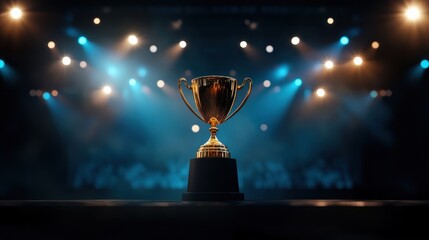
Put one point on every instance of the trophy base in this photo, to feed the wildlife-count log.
(213, 179)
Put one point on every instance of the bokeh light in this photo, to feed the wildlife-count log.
(82, 40)
(295, 40)
(51, 44)
(153, 48)
(358, 61)
(132, 82)
(373, 94)
(2, 64)
(83, 64)
(243, 44)
(107, 90)
(269, 49)
(54, 93)
(97, 21)
(344, 40)
(195, 128)
(15, 13)
(329, 64)
(46, 95)
(424, 64)
(267, 83)
(375, 45)
(298, 82)
(66, 60)
(160, 83)
(132, 39)
(413, 13)
(320, 92)
(263, 127)
(330, 20)
(182, 44)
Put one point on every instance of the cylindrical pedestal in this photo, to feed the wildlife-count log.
(213, 179)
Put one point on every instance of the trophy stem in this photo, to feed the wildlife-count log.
(213, 131)
(213, 147)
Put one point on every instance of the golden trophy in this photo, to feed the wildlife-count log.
(213, 174)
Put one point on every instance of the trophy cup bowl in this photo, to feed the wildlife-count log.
(213, 174)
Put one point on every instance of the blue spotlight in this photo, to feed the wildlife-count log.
(298, 82)
(82, 40)
(282, 71)
(344, 40)
(142, 72)
(132, 82)
(424, 64)
(373, 94)
(2, 64)
(46, 95)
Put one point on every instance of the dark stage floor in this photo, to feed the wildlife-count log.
(292, 219)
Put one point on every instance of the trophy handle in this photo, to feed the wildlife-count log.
(179, 83)
(245, 98)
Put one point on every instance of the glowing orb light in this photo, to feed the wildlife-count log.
(132, 39)
(295, 40)
(66, 60)
(15, 13)
(182, 44)
(195, 128)
(243, 44)
(320, 92)
(160, 83)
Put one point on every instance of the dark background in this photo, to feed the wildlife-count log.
(137, 144)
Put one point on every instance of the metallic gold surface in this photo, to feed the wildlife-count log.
(214, 97)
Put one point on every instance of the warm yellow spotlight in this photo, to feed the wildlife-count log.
(375, 45)
(358, 61)
(329, 64)
(182, 44)
(15, 13)
(243, 44)
(54, 93)
(330, 20)
(83, 64)
(320, 92)
(160, 83)
(97, 20)
(107, 90)
(51, 44)
(132, 39)
(413, 13)
(66, 60)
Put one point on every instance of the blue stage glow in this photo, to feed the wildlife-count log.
(282, 71)
(2, 64)
(132, 82)
(298, 82)
(82, 40)
(373, 94)
(424, 64)
(142, 72)
(112, 71)
(46, 95)
(344, 40)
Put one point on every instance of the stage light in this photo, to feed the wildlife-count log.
(358, 61)
(269, 49)
(82, 40)
(375, 45)
(344, 40)
(195, 128)
(388, 92)
(66, 60)
(153, 49)
(160, 83)
(263, 127)
(298, 82)
(51, 44)
(267, 83)
(83, 64)
(97, 20)
(107, 90)
(2, 64)
(39, 93)
(182, 44)
(32, 93)
(142, 72)
(15, 13)
(243, 44)
(330, 20)
(295, 40)
(132, 82)
(383, 93)
(132, 39)
(320, 92)
(373, 94)
(329, 64)
(424, 64)
(413, 13)
(46, 95)
(54, 93)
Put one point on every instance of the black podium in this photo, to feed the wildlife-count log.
(213, 179)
